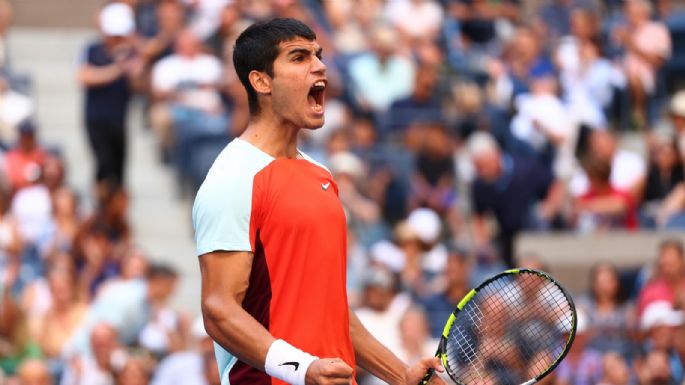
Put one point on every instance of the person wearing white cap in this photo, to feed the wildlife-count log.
(659, 322)
(108, 69)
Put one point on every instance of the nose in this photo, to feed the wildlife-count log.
(318, 66)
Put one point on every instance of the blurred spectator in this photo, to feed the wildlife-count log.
(226, 32)
(5, 21)
(67, 220)
(648, 45)
(185, 87)
(382, 310)
(108, 357)
(15, 342)
(15, 108)
(425, 256)
(668, 280)
(603, 206)
(610, 319)
(206, 16)
(136, 371)
(381, 76)
(434, 182)
(127, 307)
(628, 169)
(54, 329)
(664, 188)
(22, 161)
(423, 105)
(425, 22)
(169, 17)
(415, 339)
(363, 213)
(582, 365)
(543, 124)
(457, 283)
(677, 113)
(653, 369)
(188, 366)
(615, 370)
(659, 322)
(507, 187)
(522, 58)
(588, 80)
(107, 71)
(34, 372)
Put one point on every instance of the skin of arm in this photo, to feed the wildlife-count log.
(94, 76)
(225, 279)
(373, 356)
(378, 360)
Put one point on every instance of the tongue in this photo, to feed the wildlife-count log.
(311, 99)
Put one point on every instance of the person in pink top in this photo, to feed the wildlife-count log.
(668, 281)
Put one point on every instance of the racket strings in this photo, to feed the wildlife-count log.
(513, 330)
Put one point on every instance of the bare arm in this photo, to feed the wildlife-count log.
(225, 278)
(94, 76)
(378, 360)
(373, 356)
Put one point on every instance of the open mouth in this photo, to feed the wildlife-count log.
(316, 96)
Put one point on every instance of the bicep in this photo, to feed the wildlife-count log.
(225, 274)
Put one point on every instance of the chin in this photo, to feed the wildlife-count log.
(313, 124)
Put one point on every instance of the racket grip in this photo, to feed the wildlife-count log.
(427, 377)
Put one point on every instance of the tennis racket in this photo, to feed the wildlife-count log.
(513, 329)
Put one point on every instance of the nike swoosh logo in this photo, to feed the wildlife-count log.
(296, 365)
(325, 186)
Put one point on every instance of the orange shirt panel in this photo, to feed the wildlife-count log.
(301, 225)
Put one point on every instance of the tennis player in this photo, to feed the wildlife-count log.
(271, 234)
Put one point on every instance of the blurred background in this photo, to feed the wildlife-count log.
(465, 136)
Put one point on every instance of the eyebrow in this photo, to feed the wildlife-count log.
(305, 51)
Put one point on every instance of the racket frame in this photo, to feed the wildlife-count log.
(441, 353)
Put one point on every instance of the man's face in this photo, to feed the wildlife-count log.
(488, 166)
(299, 84)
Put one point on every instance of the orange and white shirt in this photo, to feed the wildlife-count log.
(288, 214)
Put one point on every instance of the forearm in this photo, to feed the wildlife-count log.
(373, 357)
(90, 76)
(237, 331)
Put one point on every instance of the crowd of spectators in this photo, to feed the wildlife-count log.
(451, 127)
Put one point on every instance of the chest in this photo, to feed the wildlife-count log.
(299, 196)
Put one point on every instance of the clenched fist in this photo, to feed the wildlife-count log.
(329, 371)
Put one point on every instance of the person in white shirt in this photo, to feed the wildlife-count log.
(185, 86)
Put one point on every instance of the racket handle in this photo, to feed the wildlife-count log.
(427, 377)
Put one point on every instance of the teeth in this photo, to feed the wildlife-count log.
(320, 83)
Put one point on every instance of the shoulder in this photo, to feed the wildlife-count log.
(237, 163)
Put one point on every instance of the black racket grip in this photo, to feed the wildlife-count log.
(427, 377)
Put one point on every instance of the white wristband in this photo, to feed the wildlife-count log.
(287, 362)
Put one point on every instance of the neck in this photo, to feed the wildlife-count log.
(272, 135)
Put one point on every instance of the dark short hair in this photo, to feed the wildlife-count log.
(161, 270)
(257, 48)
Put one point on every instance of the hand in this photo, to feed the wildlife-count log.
(415, 373)
(329, 371)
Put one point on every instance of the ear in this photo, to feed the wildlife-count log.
(260, 81)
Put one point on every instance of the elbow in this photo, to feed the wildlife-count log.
(216, 311)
